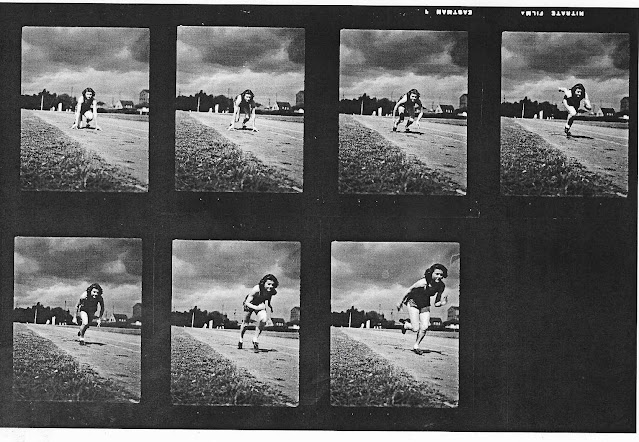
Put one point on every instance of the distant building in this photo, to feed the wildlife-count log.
(144, 97)
(137, 310)
(437, 322)
(282, 106)
(124, 104)
(606, 112)
(453, 314)
(295, 314)
(444, 109)
(463, 102)
(118, 318)
(625, 105)
(299, 99)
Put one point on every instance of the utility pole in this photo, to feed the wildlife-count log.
(361, 110)
(193, 318)
(42, 101)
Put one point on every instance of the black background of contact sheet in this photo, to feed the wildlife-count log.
(548, 285)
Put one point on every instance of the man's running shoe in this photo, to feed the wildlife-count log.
(567, 132)
(256, 346)
(394, 128)
(239, 345)
(417, 351)
(82, 342)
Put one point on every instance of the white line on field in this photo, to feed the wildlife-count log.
(282, 128)
(141, 137)
(448, 138)
(447, 132)
(285, 135)
(603, 134)
(134, 350)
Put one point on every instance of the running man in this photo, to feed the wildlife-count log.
(86, 309)
(408, 106)
(255, 302)
(86, 110)
(572, 102)
(244, 104)
(418, 302)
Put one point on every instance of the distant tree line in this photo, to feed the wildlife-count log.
(47, 100)
(359, 317)
(532, 108)
(207, 102)
(43, 314)
(200, 318)
(354, 106)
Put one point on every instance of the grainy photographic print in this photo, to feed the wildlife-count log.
(85, 109)
(235, 323)
(403, 111)
(76, 319)
(240, 109)
(565, 114)
(395, 324)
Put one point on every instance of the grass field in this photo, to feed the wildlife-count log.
(43, 372)
(368, 163)
(361, 378)
(49, 160)
(206, 161)
(201, 376)
(530, 166)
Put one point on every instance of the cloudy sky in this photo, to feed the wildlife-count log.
(223, 60)
(217, 275)
(54, 270)
(367, 274)
(389, 63)
(112, 61)
(536, 64)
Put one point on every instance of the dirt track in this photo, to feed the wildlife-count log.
(114, 356)
(438, 366)
(439, 145)
(603, 150)
(121, 141)
(277, 363)
(278, 143)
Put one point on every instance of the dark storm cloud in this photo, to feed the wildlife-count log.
(229, 263)
(358, 266)
(257, 49)
(366, 53)
(109, 261)
(532, 55)
(48, 49)
(621, 55)
(140, 48)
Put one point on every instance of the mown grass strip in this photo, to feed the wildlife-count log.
(201, 376)
(49, 160)
(531, 166)
(368, 163)
(206, 161)
(43, 372)
(361, 378)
